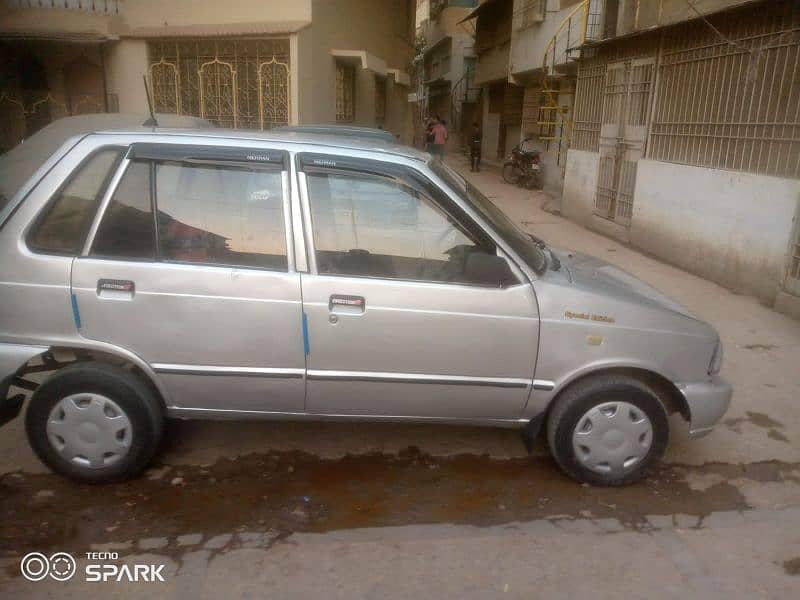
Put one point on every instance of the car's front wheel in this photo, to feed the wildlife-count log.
(607, 430)
(94, 422)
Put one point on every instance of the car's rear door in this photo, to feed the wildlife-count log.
(396, 326)
(189, 265)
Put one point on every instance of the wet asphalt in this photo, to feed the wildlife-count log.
(281, 493)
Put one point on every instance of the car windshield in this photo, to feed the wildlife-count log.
(520, 242)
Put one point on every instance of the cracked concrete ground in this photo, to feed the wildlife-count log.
(281, 510)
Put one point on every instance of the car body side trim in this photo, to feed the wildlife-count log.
(275, 373)
(182, 412)
(543, 384)
(326, 375)
(204, 296)
(507, 382)
(436, 312)
(35, 285)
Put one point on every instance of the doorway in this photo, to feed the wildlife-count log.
(623, 133)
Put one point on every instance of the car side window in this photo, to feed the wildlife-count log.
(62, 227)
(374, 226)
(128, 229)
(221, 214)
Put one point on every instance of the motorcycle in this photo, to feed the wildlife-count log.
(523, 168)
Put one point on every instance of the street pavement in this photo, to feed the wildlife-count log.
(298, 510)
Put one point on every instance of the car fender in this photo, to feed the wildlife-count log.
(14, 356)
(541, 398)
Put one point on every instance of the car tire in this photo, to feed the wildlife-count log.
(95, 422)
(607, 430)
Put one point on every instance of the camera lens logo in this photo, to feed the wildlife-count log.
(36, 566)
(62, 566)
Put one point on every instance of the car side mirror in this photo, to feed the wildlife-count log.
(487, 269)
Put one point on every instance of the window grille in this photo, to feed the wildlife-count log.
(588, 107)
(231, 82)
(732, 106)
(345, 93)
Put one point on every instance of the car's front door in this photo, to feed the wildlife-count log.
(187, 266)
(405, 312)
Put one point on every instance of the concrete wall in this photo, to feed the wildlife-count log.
(528, 45)
(492, 64)
(580, 183)
(638, 15)
(491, 129)
(399, 113)
(357, 25)
(446, 24)
(728, 226)
(156, 13)
(152, 13)
(56, 21)
(126, 61)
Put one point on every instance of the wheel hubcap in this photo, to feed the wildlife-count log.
(613, 438)
(89, 430)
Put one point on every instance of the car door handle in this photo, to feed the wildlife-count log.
(116, 289)
(346, 305)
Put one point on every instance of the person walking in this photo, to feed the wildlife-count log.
(475, 139)
(439, 139)
(429, 136)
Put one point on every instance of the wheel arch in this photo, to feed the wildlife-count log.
(666, 391)
(47, 362)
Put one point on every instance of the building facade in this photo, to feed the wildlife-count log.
(546, 41)
(501, 101)
(448, 64)
(686, 139)
(244, 65)
(527, 66)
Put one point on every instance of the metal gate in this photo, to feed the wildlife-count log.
(232, 83)
(623, 132)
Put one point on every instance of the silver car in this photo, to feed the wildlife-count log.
(213, 274)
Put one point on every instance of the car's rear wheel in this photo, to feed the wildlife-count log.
(607, 430)
(95, 422)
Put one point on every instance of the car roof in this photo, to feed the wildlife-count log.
(346, 130)
(19, 163)
(324, 142)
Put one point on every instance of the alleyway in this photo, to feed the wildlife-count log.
(397, 511)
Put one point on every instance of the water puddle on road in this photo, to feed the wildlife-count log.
(291, 492)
